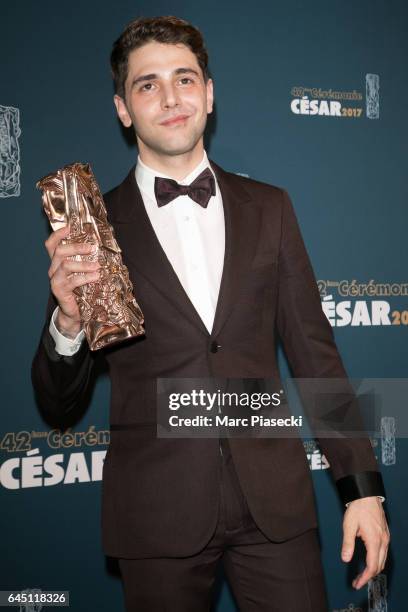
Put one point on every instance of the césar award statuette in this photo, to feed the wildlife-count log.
(109, 311)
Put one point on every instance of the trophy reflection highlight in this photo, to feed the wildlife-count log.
(108, 308)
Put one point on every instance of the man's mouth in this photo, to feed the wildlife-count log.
(175, 120)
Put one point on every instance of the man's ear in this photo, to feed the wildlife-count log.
(122, 111)
(210, 95)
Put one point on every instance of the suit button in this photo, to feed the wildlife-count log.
(214, 346)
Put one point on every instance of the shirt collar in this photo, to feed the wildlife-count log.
(145, 175)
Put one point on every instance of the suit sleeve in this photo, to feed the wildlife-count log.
(308, 341)
(59, 381)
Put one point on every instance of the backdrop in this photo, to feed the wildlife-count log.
(310, 96)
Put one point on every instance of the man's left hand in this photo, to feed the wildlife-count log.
(365, 518)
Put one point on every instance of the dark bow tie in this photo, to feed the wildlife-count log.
(200, 190)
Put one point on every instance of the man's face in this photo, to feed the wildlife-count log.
(166, 98)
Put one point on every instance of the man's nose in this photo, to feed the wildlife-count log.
(170, 96)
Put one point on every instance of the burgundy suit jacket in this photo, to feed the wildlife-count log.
(160, 497)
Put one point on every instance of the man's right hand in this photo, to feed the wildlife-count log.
(63, 279)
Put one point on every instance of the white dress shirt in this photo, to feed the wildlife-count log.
(193, 239)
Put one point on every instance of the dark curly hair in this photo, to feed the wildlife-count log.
(163, 29)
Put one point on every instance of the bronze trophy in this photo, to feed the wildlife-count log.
(109, 311)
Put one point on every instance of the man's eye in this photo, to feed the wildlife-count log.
(186, 79)
(146, 87)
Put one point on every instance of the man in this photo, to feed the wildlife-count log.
(218, 265)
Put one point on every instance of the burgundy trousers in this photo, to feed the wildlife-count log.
(264, 576)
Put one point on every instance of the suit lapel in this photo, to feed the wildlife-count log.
(142, 250)
(242, 226)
